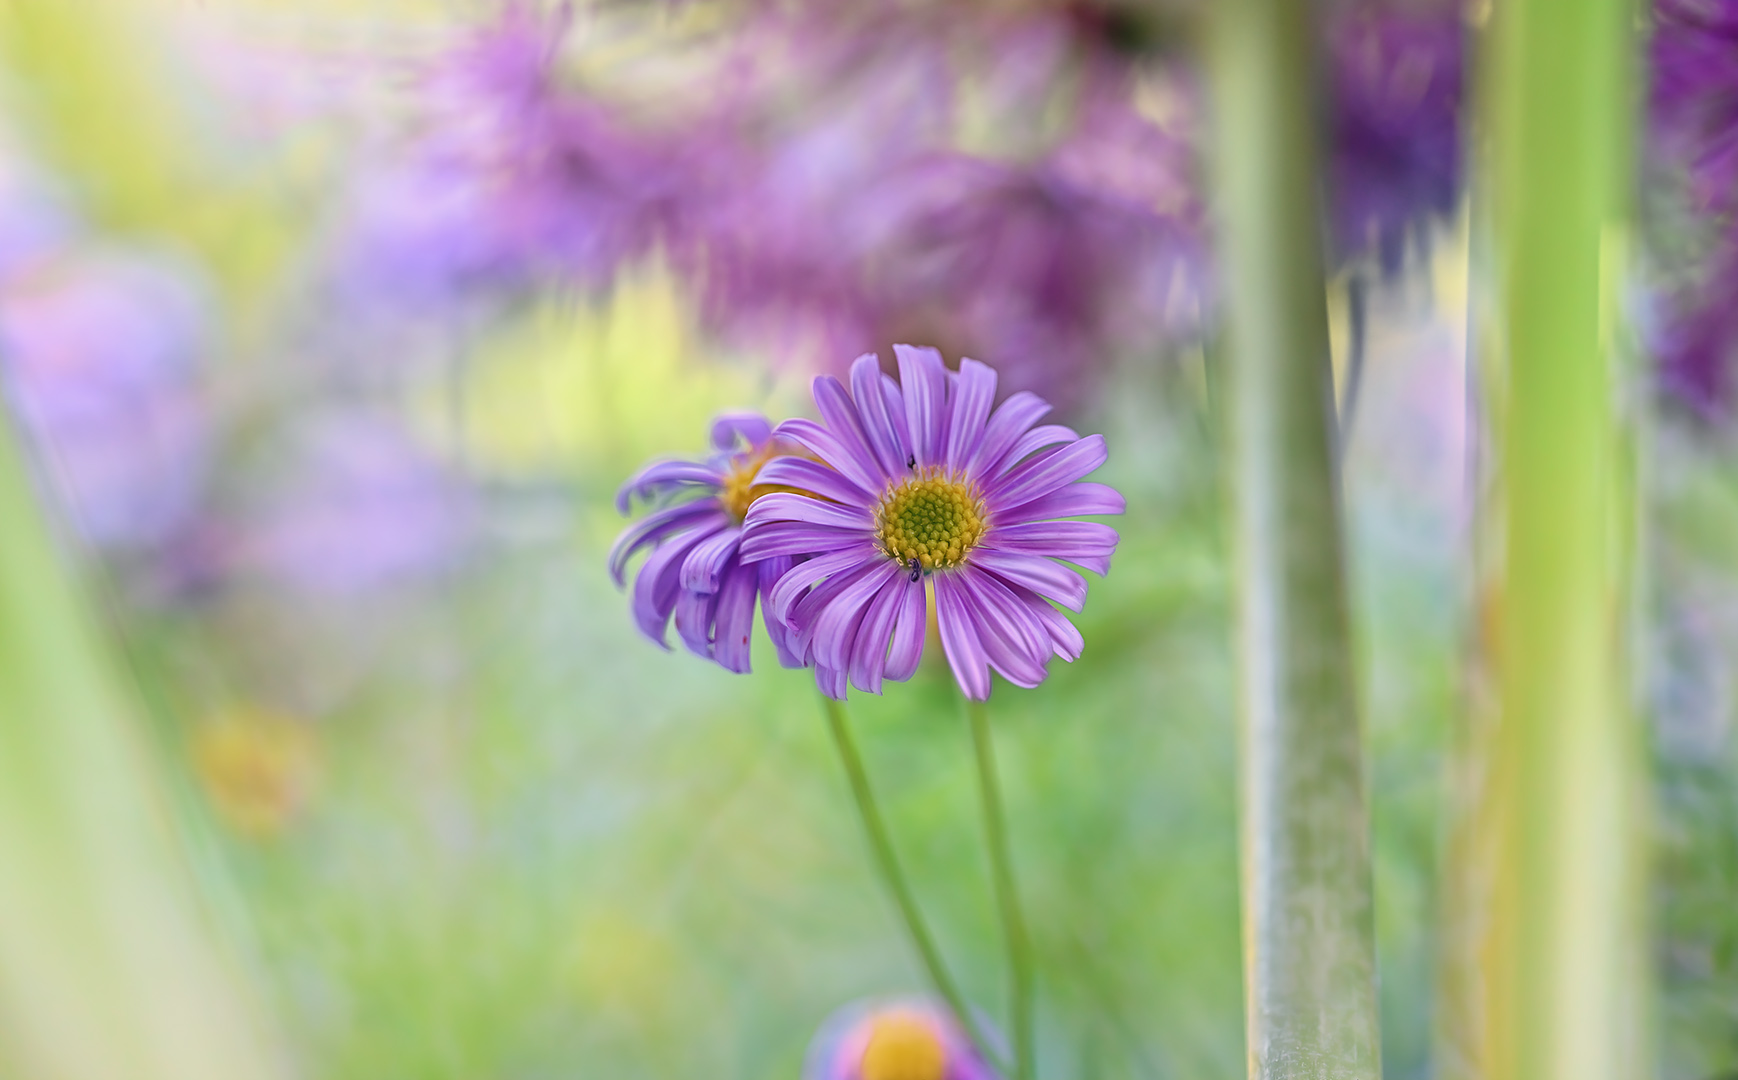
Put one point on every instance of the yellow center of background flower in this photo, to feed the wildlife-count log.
(903, 1047)
(739, 488)
(931, 519)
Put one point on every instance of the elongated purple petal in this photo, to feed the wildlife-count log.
(694, 618)
(795, 538)
(660, 582)
(1007, 424)
(1032, 442)
(735, 617)
(842, 419)
(812, 476)
(1085, 542)
(894, 402)
(959, 639)
(819, 609)
(923, 382)
(703, 566)
(1043, 475)
(884, 438)
(1043, 576)
(751, 428)
(1065, 639)
(824, 445)
(665, 474)
(869, 652)
(906, 648)
(769, 572)
(787, 506)
(788, 588)
(1071, 500)
(1016, 644)
(974, 390)
(655, 526)
(832, 683)
(836, 626)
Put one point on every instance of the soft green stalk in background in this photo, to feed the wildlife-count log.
(106, 967)
(1309, 952)
(1014, 936)
(1560, 995)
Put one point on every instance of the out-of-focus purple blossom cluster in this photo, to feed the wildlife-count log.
(1694, 133)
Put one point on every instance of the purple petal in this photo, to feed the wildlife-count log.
(923, 383)
(820, 609)
(959, 639)
(907, 646)
(788, 588)
(702, 567)
(795, 538)
(1043, 475)
(770, 571)
(663, 473)
(694, 617)
(657, 525)
(973, 392)
(836, 625)
(735, 617)
(1065, 637)
(1085, 542)
(894, 402)
(660, 583)
(1006, 425)
(884, 438)
(842, 419)
(812, 476)
(832, 683)
(787, 506)
(751, 428)
(1072, 500)
(1016, 644)
(1030, 443)
(826, 446)
(869, 652)
(1043, 576)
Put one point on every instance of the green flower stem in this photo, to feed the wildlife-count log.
(1019, 945)
(1562, 993)
(109, 966)
(893, 878)
(1308, 934)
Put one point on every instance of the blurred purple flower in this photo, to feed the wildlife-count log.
(918, 483)
(354, 506)
(694, 571)
(1395, 83)
(898, 1039)
(1695, 93)
(98, 359)
(1697, 341)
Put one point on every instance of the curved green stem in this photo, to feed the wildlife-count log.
(893, 877)
(1007, 896)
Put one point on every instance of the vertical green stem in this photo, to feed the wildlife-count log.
(1559, 994)
(1309, 952)
(893, 878)
(1019, 946)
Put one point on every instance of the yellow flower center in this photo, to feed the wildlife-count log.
(903, 1047)
(739, 489)
(931, 521)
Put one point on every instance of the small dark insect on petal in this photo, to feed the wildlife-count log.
(911, 461)
(916, 569)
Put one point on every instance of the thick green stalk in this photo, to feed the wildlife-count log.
(1559, 994)
(1309, 952)
(893, 878)
(107, 967)
(1018, 945)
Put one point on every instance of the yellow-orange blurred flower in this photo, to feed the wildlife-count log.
(257, 768)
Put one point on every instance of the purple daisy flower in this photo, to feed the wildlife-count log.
(918, 483)
(893, 1040)
(695, 571)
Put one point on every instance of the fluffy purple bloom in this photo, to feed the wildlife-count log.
(1695, 93)
(893, 1040)
(695, 571)
(917, 483)
(99, 361)
(1395, 83)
